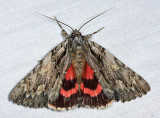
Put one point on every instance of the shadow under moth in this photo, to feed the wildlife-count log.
(78, 72)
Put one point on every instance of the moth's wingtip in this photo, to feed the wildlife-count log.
(147, 89)
(10, 96)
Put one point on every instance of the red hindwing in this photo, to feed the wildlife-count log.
(92, 92)
(93, 95)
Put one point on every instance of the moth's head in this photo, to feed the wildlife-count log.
(75, 33)
(77, 40)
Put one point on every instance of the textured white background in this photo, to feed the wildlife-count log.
(132, 34)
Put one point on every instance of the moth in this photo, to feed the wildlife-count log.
(78, 72)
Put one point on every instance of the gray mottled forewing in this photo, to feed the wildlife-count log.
(43, 83)
(117, 80)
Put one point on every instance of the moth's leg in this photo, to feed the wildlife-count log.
(89, 35)
(63, 32)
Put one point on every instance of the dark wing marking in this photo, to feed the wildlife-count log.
(117, 80)
(43, 83)
(93, 95)
(68, 93)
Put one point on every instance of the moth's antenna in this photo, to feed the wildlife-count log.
(94, 18)
(56, 20)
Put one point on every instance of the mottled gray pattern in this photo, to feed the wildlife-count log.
(118, 81)
(43, 83)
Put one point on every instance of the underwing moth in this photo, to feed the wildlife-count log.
(78, 72)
